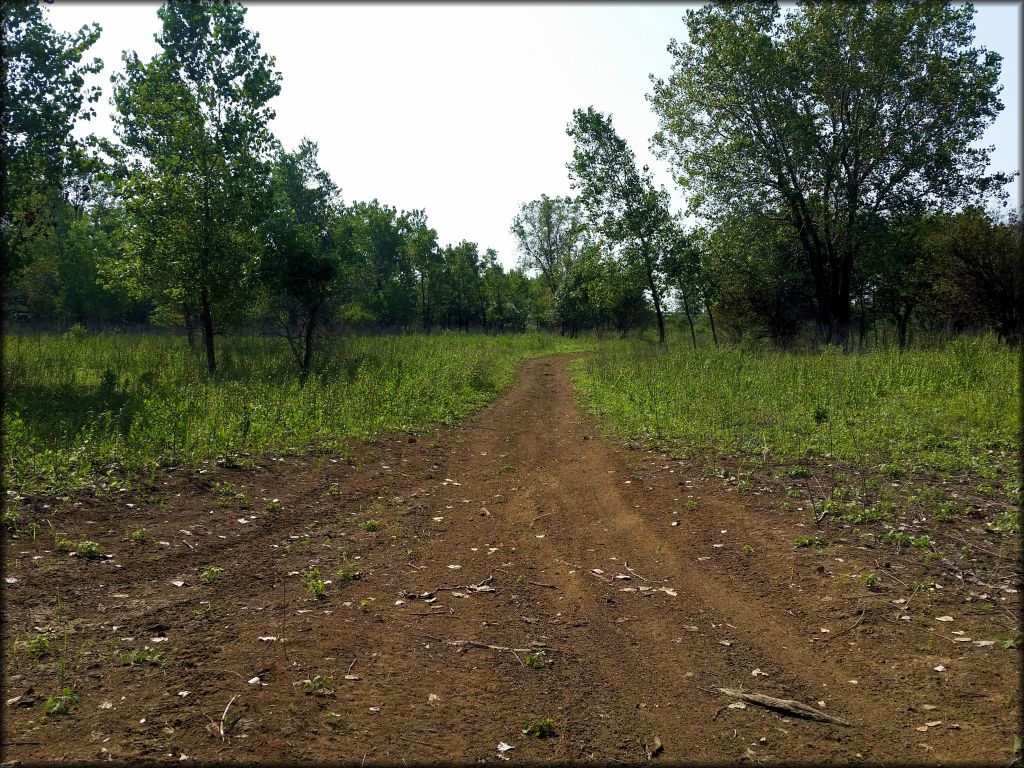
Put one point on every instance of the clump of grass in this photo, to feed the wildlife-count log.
(316, 586)
(89, 550)
(320, 684)
(62, 703)
(538, 660)
(39, 647)
(540, 728)
(370, 526)
(143, 657)
(68, 417)
(809, 541)
(211, 574)
(139, 536)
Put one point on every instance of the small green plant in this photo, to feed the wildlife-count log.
(691, 505)
(62, 703)
(347, 573)
(143, 657)
(870, 580)
(370, 526)
(891, 470)
(364, 605)
(809, 541)
(211, 574)
(139, 536)
(540, 728)
(11, 519)
(1011, 640)
(892, 536)
(90, 550)
(334, 489)
(537, 660)
(1005, 521)
(320, 684)
(409, 553)
(798, 471)
(921, 542)
(273, 506)
(748, 549)
(38, 647)
(317, 587)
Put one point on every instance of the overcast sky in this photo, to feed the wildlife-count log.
(461, 109)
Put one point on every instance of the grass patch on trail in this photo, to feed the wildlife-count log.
(887, 440)
(924, 410)
(99, 409)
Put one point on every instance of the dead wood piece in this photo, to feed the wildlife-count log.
(487, 646)
(538, 517)
(789, 706)
(542, 584)
(480, 587)
(625, 564)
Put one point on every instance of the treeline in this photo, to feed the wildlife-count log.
(829, 155)
(831, 160)
(197, 216)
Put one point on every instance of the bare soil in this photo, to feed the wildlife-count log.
(647, 585)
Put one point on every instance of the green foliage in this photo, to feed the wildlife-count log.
(316, 586)
(540, 728)
(143, 657)
(90, 550)
(908, 412)
(211, 574)
(538, 660)
(370, 526)
(69, 423)
(62, 703)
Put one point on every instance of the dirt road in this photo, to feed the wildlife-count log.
(646, 584)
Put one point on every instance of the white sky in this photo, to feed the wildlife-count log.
(461, 109)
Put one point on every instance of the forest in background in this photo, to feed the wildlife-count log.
(830, 157)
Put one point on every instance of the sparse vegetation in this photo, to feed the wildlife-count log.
(540, 728)
(211, 574)
(316, 586)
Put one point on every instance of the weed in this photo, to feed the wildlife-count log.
(273, 506)
(1010, 640)
(691, 505)
(211, 574)
(347, 573)
(540, 728)
(1005, 521)
(90, 550)
(364, 605)
(538, 660)
(11, 519)
(62, 703)
(143, 657)
(139, 536)
(921, 542)
(317, 587)
(748, 549)
(370, 526)
(809, 541)
(320, 684)
(871, 580)
(38, 647)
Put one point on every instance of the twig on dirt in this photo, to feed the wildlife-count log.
(414, 741)
(541, 584)
(538, 517)
(625, 564)
(350, 666)
(790, 706)
(480, 587)
(188, 545)
(844, 631)
(224, 716)
(474, 644)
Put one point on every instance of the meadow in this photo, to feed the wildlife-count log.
(920, 416)
(96, 410)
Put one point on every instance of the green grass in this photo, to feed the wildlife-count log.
(100, 409)
(934, 410)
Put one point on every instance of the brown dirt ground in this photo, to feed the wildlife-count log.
(530, 500)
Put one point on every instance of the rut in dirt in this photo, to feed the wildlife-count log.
(529, 569)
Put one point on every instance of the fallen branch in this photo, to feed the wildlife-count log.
(790, 706)
(224, 716)
(432, 595)
(852, 626)
(538, 517)
(541, 584)
(625, 564)
(474, 644)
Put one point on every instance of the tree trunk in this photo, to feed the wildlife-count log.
(190, 328)
(657, 301)
(307, 355)
(902, 324)
(711, 319)
(689, 317)
(206, 318)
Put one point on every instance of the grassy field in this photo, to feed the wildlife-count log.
(80, 409)
(936, 413)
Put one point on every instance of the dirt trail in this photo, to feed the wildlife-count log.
(643, 604)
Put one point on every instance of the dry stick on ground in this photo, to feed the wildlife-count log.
(538, 517)
(790, 706)
(481, 587)
(475, 644)
(844, 631)
(541, 584)
(224, 716)
(625, 564)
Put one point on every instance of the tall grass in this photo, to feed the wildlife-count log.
(80, 407)
(936, 409)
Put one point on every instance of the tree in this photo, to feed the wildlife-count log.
(194, 122)
(547, 232)
(421, 252)
(300, 264)
(978, 270)
(621, 200)
(43, 95)
(834, 113)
